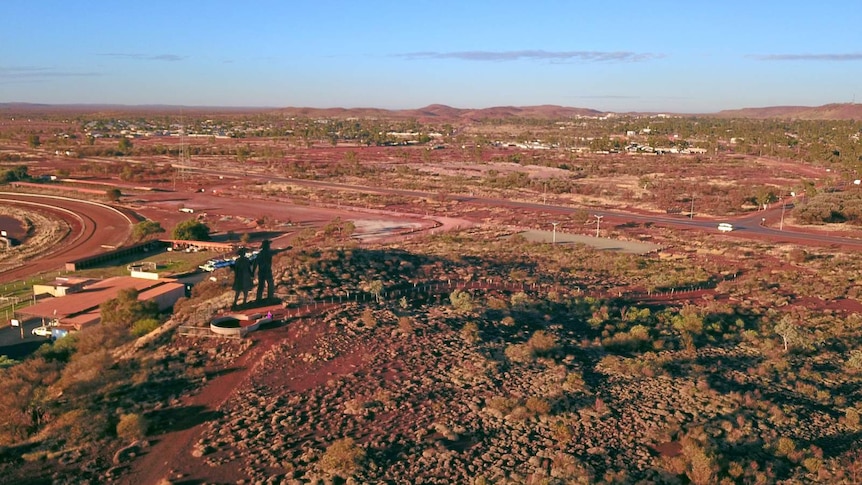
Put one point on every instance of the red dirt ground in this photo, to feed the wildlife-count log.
(170, 451)
(169, 456)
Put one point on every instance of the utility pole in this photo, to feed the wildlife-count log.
(691, 212)
(20, 323)
(781, 224)
(555, 232)
(598, 223)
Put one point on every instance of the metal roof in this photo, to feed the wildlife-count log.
(93, 295)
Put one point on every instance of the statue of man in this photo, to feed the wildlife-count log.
(242, 281)
(263, 265)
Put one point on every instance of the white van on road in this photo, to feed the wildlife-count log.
(725, 227)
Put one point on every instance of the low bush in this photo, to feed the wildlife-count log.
(343, 458)
(132, 427)
(470, 332)
(86, 372)
(368, 318)
(851, 418)
(854, 362)
(542, 343)
(145, 326)
(501, 404)
(405, 325)
(520, 353)
(538, 405)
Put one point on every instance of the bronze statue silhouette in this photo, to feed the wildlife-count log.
(242, 281)
(263, 264)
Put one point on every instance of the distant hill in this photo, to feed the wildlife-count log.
(434, 112)
(439, 112)
(443, 113)
(844, 111)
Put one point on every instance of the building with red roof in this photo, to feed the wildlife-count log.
(78, 309)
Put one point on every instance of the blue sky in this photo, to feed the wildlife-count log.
(676, 56)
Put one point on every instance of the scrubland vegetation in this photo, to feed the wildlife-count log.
(698, 389)
(608, 389)
(475, 356)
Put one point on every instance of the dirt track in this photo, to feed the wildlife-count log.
(92, 227)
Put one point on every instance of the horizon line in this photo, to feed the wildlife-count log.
(8, 104)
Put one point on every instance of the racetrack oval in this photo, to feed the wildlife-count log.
(93, 226)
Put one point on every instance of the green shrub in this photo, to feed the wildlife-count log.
(61, 350)
(495, 303)
(405, 325)
(851, 415)
(86, 372)
(97, 338)
(785, 446)
(503, 405)
(701, 469)
(519, 300)
(519, 353)
(79, 427)
(462, 301)
(368, 318)
(854, 362)
(538, 405)
(5, 361)
(132, 427)
(145, 326)
(574, 381)
(126, 309)
(812, 464)
(191, 230)
(470, 332)
(570, 469)
(562, 432)
(542, 343)
(343, 458)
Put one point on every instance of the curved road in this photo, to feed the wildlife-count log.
(96, 225)
(93, 225)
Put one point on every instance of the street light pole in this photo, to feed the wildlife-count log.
(598, 223)
(555, 232)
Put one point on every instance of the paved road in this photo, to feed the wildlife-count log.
(95, 225)
(15, 347)
(747, 226)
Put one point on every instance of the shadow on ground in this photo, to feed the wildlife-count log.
(179, 418)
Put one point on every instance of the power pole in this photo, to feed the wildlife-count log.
(598, 223)
(781, 224)
(691, 212)
(20, 323)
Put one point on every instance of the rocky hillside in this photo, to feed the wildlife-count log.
(845, 111)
